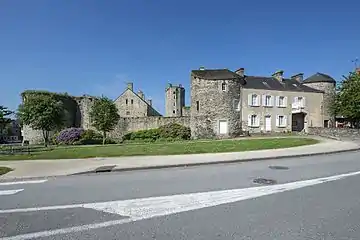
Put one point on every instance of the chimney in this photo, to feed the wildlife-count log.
(357, 70)
(202, 68)
(141, 94)
(240, 72)
(298, 77)
(279, 75)
(130, 86)
(149, 101)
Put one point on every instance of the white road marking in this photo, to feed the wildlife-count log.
(10, 192)
(22, 182)
(146, 208)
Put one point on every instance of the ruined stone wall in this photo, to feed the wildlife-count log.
(339, 133)
(126, 125)
(71, 119)
(210, 104)
(84, 104)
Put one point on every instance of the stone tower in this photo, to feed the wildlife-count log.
(326, 84)
(174, 100)
(215, 103)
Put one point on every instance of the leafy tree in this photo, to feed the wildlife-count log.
(4, 118)
(347, 99)
(104, 116)
(42, 112)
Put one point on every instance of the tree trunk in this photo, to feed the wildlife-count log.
(104, 137)
(46, 137)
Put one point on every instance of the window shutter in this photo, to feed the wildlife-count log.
(295, 100)
(277, 120)
(249, 120)
(272, 99)
(264, 100)
(304, 104)
(257, 121)
(285, 120)
(249, 99)
(277, 99)
(285, 101)
(258, 100)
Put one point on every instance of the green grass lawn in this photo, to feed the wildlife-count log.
(4, 170)
(190, 147)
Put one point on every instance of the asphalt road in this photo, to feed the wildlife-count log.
(210, 202)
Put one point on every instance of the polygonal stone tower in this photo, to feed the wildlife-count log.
(327, 84)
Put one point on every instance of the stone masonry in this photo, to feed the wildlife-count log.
(220, 105)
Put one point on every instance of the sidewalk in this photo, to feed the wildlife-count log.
(47, 168)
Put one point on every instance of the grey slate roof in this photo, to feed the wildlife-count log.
(216, 74)
(270, 83)
(319, 77)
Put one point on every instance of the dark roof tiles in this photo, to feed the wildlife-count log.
(215, 74)
(270, 83)
(319, 77)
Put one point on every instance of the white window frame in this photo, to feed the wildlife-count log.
(283, 103)
(284, 121)
(253, 120)
(254, 100)
(268, 100)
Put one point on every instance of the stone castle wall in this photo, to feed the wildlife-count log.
(338, 133)
(126, 125)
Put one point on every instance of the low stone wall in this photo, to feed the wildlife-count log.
(126, 125)
(339, 133)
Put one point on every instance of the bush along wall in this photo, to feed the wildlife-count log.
(169, 132)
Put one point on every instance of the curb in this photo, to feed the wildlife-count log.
(212, 163)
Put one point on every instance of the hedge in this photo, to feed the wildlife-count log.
(169, 131)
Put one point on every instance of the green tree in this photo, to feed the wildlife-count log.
(5, 113)
(347, 100)
(42, 112)
(104, 116)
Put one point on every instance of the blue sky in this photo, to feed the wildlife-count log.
(94, 47)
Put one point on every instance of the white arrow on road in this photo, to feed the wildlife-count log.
(145, 208)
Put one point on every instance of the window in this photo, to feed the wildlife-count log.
(174, 92)
(253, 120)
(223, 87)
(281, 101)
(267, 101)
(173, 111)
(174, 104)
(132, 101)
(237, 105)
(254, 101)
(127, 113)
(197, 106)
(126, 101)
(300, 101)
(281, 121)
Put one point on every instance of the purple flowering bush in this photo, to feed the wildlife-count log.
(69, 135)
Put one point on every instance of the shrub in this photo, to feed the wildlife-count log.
(91, 137)
(169, 132)
(90, 134)
(175, 130)
(69, 135)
